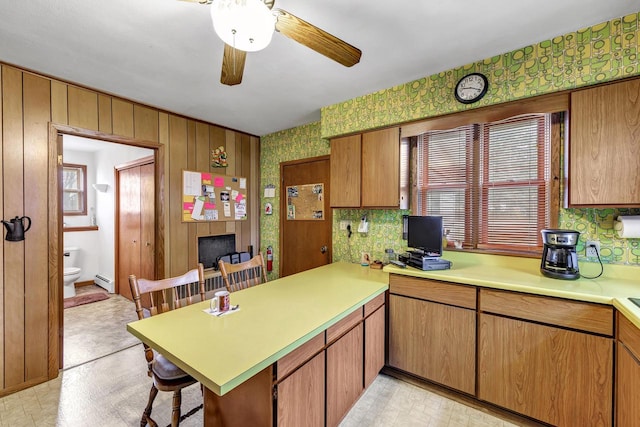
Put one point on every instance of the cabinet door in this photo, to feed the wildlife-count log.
(433, 341)
(381, 168)
(627, 388)
(345, 171)
(557, 376)
(604, 144)
(373, 346)
(301, 396)
(344, 374)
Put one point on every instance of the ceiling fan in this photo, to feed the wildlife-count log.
(247, 25)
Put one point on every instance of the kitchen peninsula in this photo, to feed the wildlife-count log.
(285, 332)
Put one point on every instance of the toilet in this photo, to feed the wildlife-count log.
(71, 273)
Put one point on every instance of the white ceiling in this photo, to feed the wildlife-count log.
(165, 53)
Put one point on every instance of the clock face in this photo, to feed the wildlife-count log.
(471, 88)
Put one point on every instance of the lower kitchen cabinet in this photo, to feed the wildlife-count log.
(374, 345)
(314, 385)
(627, 374)
(433, 340)
(560, 376)
(301, 396)
(345, 368)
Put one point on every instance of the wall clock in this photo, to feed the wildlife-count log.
(471, 88)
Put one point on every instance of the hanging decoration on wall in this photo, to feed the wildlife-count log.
(269, 191)
(219, 157)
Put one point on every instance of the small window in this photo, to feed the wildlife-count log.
(74, 184)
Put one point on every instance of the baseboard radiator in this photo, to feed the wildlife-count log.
(105, 282)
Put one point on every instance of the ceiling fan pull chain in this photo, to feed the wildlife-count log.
(234, 51)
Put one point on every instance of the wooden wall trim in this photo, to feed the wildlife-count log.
(14, 255)
(69, 83)
(34, 112)
(55, 304)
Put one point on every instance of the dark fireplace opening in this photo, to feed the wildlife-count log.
(210, 248)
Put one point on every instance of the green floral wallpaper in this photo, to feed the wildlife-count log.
(604, 52)
(291, 144)
(385, 232)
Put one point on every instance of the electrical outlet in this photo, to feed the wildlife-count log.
(592, 249)
(344, 223)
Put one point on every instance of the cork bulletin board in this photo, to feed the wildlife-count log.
(211, 197)
(305, 202)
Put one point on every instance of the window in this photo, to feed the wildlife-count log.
(491, 182)
(74, 184)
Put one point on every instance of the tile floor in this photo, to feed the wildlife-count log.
(104, 383)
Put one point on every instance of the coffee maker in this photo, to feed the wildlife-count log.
(559, 258)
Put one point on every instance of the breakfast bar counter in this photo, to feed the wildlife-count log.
(273, 320)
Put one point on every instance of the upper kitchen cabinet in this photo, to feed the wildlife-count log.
(346, 157)
(365, 170)
(604, 146)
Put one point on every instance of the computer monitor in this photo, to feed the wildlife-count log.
(424, 234)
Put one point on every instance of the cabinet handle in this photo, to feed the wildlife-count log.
(323, 249)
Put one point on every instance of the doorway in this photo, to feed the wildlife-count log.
(305, 242)
(119, 151)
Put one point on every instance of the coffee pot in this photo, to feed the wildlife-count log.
(16, 228)
(559, 258)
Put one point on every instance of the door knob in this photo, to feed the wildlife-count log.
(147, 244)
(323, 249)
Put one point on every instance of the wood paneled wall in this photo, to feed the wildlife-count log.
(29, 103)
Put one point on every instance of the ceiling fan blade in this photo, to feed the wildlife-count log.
(232, 65)
(316, 39)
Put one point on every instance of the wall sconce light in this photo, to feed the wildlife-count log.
(101, 187)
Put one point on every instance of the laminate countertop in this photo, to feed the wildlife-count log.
(274, 319)
(614, 287)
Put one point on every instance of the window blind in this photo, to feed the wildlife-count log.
(514, 177)
(489, 182)
(445, 186)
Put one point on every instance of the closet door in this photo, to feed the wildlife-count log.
(136, 225)
(128, 228)
(147, 221)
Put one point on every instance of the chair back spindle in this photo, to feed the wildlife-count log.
(243, 275)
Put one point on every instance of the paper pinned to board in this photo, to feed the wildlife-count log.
(197, 208)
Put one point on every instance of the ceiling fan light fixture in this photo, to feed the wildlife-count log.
(246, 25)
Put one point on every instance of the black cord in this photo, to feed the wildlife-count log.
(601, 266)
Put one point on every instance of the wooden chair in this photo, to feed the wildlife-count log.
(243, 275)
(153, 297)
